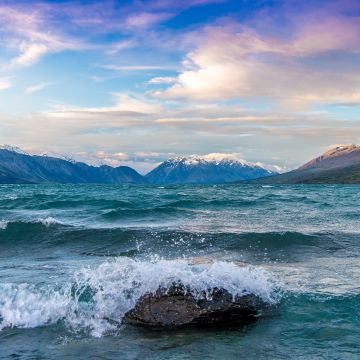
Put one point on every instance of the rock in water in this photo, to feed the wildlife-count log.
(177, 306)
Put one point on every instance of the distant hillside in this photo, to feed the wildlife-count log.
(209, 169)
(338, 157)
(18, 167)
(7, 177)
(340, 165)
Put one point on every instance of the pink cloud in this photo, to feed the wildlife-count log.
(31, 36)
(145, 20)
(326, 32)
(233, 60)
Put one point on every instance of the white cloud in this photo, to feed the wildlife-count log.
(113, 159)
(121, 45)
(36, 87)
(5, 84)
(133, 67)
(31, 36)
(125, 105)
(144, 139)
(136, 103)
(102, 157)
(145, 20)
(162, 80)
(30, 54)
(145, 154)
(235, 61)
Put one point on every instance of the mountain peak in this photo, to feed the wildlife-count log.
(14, 149)
(213, 158)
(339, 156)
(341, 150)
(207, 169)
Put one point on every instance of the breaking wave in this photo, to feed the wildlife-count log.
(97, 298)
(49, 221)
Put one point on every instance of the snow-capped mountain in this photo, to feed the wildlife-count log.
(207, 169)
(14, 149)
(17, 166)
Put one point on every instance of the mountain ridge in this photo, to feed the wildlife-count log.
(208, 169)
(339, 156)
(20, 167)
(338, 165)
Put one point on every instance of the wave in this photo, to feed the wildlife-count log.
(174, 207)
(49, 203)
(96, 299)
(166, 201)
(179, 208)
(86, 203)
(46, 222)
(120, 214)
(8, 197)
(49, 221)
(126, 241)
(275, 239)
(205, 203)
(35, 233)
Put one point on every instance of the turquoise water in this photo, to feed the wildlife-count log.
(75, 258)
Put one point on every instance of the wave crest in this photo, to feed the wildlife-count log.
(49, 221)
(97, 298)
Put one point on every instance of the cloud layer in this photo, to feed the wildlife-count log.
(236, 62)
(134, 82)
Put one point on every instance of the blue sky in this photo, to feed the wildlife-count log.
(136, 82)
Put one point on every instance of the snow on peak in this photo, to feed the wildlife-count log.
(341, 149)
(272, 168)
(218, 159)
(18, 150)
(13, 149)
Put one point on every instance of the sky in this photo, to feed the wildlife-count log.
(135, 82)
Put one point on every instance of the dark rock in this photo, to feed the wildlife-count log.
(177, 306)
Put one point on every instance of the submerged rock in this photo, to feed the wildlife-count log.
(177, 306)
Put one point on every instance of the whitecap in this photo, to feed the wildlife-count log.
(10, 197)
(49, 221)
(3, 224)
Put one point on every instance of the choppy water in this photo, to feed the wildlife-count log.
(74, 259)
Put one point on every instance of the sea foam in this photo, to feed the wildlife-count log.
(96, 298)
(49, 221)
(3, 224)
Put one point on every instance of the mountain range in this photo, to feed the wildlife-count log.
(17, 166)
(337, 165)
